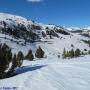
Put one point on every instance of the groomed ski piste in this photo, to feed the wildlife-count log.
(51, 74)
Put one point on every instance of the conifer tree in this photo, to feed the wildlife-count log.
(5, 59)
(30, 55)
(14, 62)
(67, 54)
(77, 53)
(64, 53)
(39, 53)
(13, 66)
(72, 53)
(20, 58)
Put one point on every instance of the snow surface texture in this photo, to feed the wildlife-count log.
(73, 74)
(50, 73)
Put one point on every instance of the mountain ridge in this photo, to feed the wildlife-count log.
(25, 35)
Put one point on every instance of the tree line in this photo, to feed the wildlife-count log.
(74, 53)
(71, 53)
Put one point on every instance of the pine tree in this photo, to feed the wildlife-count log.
(20, 58)
(72, 53)
(67, 54)
(4, 64)
(13, 66)
(5, 59)
(77, 53)
(30, 55)
(14, 62)
(39, 53)
(64, 53)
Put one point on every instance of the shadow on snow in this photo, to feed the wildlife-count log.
(25, 69)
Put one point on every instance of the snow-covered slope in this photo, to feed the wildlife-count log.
(51, 72)
(52, 47)
(13, 19)
(73, 28)
(55, 74)
(21, 28)
(52, 38)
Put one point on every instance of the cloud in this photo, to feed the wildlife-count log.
(34, 0)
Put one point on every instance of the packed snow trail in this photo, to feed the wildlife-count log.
(56, 77)
(73, 74)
